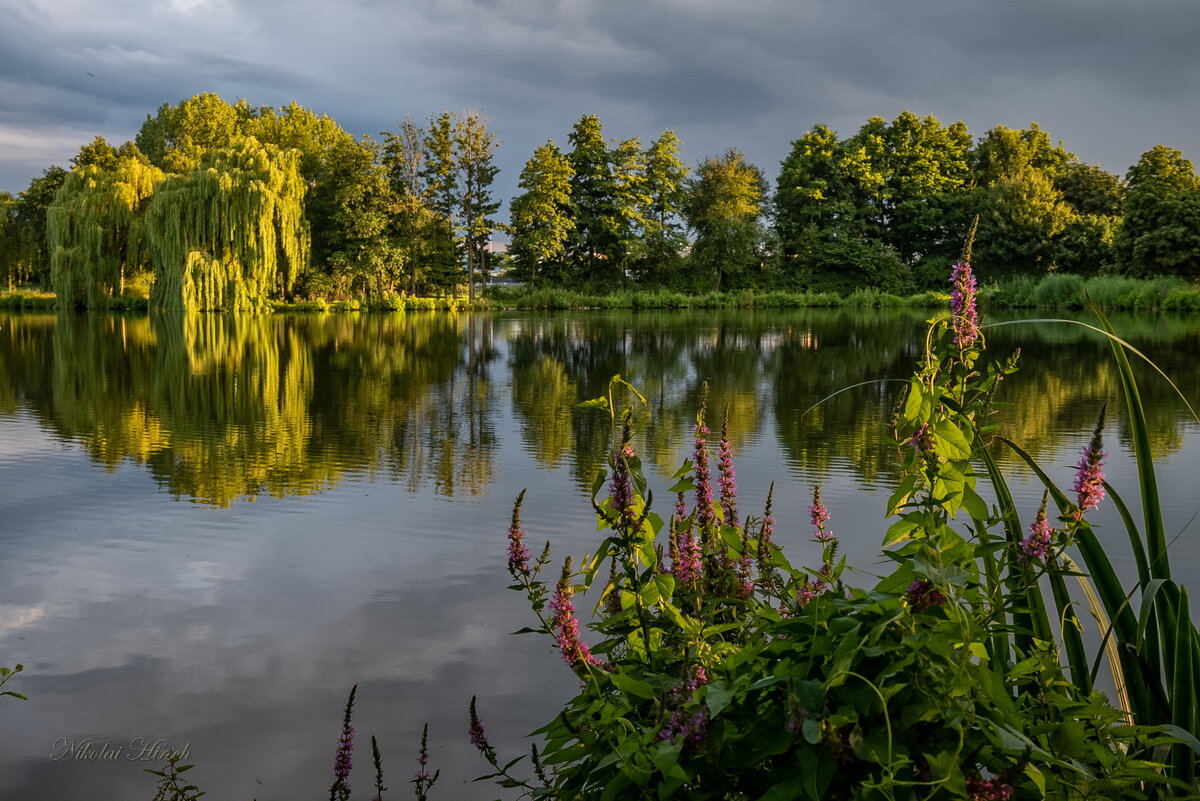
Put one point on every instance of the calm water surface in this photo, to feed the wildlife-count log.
(212, 527)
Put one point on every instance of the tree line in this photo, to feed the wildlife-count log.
(216, 205)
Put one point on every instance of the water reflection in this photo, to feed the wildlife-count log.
(220, 408)
(384, 452)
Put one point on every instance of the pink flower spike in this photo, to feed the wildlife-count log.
(704, 492)
(962, 306)
(728, 480)
(1037, 544)
(1089, 476)
(818, 514)
(518, 553)
(566, 627)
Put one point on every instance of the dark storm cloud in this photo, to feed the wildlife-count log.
(1110, 78)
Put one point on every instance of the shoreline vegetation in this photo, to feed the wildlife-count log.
(1056, 291)
(218, 206)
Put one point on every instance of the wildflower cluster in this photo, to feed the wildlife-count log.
(729, 673)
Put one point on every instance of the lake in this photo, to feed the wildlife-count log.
(213, 526)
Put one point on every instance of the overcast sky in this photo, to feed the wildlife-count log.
(1111, 78)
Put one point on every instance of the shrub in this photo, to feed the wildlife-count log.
(1063, 291)
(1181, 299)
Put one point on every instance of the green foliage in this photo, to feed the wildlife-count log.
(178, 136)
(1003, 153)
(26, 256)
(593, 244)
(171, 787)
(1022, 216)
(232, 234)
(1088, 189)
(721, 671)
(540, 218)
(1181, 299)
(95, 230)
(662, 236)
(27, 299)
(1160, 234)
(1064, 291)
(724, 207)
(5, 675)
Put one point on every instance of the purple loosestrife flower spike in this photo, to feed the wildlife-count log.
(704, 492)
(962, 305)
(1037, 544)
(687, 569)
(680, 506)
(378, 760)
(620, 488)
(342, 763)
(728, 479)
(1089, 475)
(566, 627)
(819, 515)
(518, 553)
(765, 571)
(479, 737)
(612, 601)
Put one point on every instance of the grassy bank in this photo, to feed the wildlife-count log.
(1063, 291)
(1055, 291)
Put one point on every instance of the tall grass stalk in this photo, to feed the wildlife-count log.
(1153, 650)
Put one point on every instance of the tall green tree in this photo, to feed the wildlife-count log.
(724, 207)
(663, 234)
(1160, 234)
(540, 221)
(593, 246)
(343, 196)
(441, 171)
(30, 248)
(1020, 226)
(925, 164)
(359, 252)
(1089, 189)
(1004, 152)
(424, 237)
(94, 230)
(474, 150)
(818, 194)
(9, 251)
(178, 136)
(232, 234)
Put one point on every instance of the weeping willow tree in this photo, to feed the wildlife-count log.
(230, 235)
(94, 230)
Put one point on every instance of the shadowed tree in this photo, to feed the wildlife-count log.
(30, 250)
(1161, 230)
